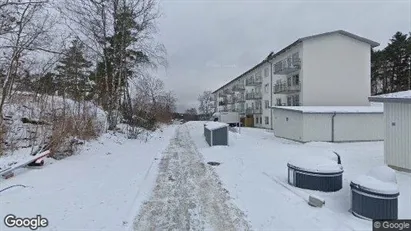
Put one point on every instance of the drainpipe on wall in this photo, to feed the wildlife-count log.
(332, 126)
(271, 93)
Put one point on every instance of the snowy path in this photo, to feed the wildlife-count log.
(188, 194)
(99, 189)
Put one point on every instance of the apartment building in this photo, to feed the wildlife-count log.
(328, 69)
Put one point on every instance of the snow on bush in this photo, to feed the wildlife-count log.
(32, 120)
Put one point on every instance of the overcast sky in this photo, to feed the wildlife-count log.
(210, 42)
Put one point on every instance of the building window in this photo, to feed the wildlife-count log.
(266, 104)
(266, 72)
(289, 61)
(266, 120)
(266, 88)
(297, 100)
(279, 102)
(297, 79)
(289, 101)
(256, 120)
(289, 81)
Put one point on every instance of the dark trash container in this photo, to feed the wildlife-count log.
(373, 198)
(216, 133)
(321, 174)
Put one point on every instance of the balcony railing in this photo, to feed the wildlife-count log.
(238, 88)
(250, 111)
(254, 82)
(284, 88)
(251, 96)
(228, 91)
(284, 70)
(240, 98)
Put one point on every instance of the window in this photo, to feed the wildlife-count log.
(256, 120)
(297, 79)
(289, 61)
(289, 81)
(266, 72)
(266, 88)
(266, 104)
(297, 100)
(279, 102)
(289, 101)
(266, 120)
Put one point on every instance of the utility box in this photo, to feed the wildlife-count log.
(216, 133)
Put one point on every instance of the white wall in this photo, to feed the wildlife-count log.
(397, 143)
(316, 127)
(288, 124)
(359, 127)
(306, 127)
(336, 71)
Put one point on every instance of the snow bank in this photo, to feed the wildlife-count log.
(332, 109)
(215, 125)
(380, 179)
(316, 164)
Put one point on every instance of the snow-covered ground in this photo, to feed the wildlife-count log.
(165, 183)
(254, 170)
(101, 188)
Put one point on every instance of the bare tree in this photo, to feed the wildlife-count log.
(24, 32)
(120, 33)
(206, 103)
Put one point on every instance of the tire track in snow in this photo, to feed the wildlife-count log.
(188, 194)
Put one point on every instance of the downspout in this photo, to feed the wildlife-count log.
(332, 126)
(271, 94)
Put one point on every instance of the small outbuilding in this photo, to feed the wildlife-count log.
(397, 129)
(329, 123)
(216, 133)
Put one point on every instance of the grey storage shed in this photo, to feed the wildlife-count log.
(216, 133)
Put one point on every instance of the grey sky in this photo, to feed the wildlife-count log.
(211, 42)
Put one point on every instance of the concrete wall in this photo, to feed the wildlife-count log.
(397, 142)
(336, 72)
(288, 124)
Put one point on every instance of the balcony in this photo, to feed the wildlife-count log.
(286, 88)
(251, 96)
(231, 100)
(253, 82)
(283, 69)
(222, 95)
(240, 98)
(250, 111)
(238, 88)
(228, 91)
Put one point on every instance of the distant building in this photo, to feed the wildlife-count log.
(328, 69)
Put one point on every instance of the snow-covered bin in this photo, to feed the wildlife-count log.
(216, 133)
(375, 195)
(315, 173)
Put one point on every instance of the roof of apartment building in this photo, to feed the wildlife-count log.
(272, 55)
(401, 96)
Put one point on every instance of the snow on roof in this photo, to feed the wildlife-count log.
(215, 125)
(381, 179)
(316, 164)
(401, 96)
(332, 109)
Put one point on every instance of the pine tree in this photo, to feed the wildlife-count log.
(73, 73)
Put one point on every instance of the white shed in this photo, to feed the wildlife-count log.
(329, 124)
(397, 138)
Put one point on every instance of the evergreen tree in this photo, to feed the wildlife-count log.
(72, 77)
(390, 67)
